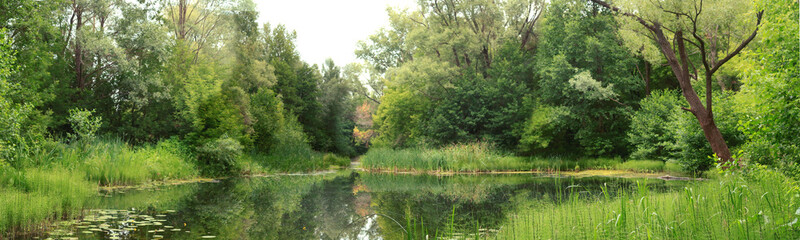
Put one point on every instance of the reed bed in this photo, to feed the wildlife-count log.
(478, 157)
(31, 197)
(757, 205)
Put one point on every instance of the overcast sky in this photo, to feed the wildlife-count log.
(328, 28)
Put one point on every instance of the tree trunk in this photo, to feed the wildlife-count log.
(681, 70)
(647, 69)
(182, 5)
(714, 137)
(78, 48)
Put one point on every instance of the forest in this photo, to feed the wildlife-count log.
(97, 95)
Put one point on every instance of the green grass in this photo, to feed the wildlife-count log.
(294, 158)
(113, 162)
(642, 166)
(59, 178)
(34, 196)
(479, 157)
(760, 205)
(54, 179)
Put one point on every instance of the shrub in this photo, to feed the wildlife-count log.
(169, 159)
(83, 124)
(220, 155)
(652, 131)
(696, 154)
(661, 130)
(335, 160)
(540, 128)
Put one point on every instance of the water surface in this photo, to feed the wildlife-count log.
(341, 205)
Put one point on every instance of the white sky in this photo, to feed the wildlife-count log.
(329, 28)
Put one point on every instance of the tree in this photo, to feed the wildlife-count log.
(44, 67)
(196, 21)
(771, 88)
(702, 32)
(593, 78)
(336, 99)
(12, 114)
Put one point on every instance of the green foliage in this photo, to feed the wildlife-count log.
(12, 115)
(695, 152)
(642, 166)
(83, 124)
(113, 162)
(335, 160)
(338, 107)
(481, 157)
(399, 118)
(541, 128)
(653, 127)
(267, 110)
(771, 93)
(593, 76)
(661, 130)
(219, 156)
(37, 195)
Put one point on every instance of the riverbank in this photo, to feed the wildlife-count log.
(477, 158)
(54, 181)
(751, 204)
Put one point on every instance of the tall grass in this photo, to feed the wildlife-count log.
(480, 157)
(759, 205)
(113, 162)
(33, 196)
(295, 156)
(58, 178)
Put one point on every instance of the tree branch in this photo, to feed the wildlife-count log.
(634, 16)
(742, 45)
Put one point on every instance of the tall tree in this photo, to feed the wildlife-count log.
(196, 21)
(697, 23)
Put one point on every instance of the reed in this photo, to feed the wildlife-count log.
(479, 157)
(756, 205)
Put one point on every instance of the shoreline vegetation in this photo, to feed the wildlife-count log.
(59, 179)
(62, 177)
(480, 158)
(48, 194)
(750, 203)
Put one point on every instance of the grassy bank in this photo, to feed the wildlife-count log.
(759, 205)
(55, 180)
(482, 158)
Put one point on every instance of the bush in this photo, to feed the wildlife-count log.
(267, 110)
(83, 124)
(771, 91)
(335, 160)
(652, 131)
(169, 159)
(661, 130)
(541, 128)
(219, 156)
(696, 155)
(12, 115)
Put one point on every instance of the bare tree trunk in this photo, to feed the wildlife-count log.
(79, 76)
(182, 8)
